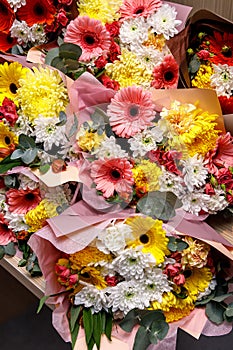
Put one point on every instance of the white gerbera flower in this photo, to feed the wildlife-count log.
(91, 297)
(171, 182)
(114, 238)
(134, 31)
(194, 202)
(194, 172)
(21, 31)
(222, 79)
(126, 296)
(110, 149)
(132, 264)
(164, 21)
(16, 222)
(145, 141)
(49, 133)
(16, 4)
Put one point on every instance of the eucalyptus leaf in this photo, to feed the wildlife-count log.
(194, 64)
(214, 312)
(10, 249)
(206, 300)
(72, 64)
(62, 119)
(229, 310)
(129, 321)
(222, 297)
(22, 262)
(44, 168)
(74, 315)
(51, 55)
(29, 155)
(142, 339)
(2, 251)
(151, 316)
(26, 141)
(69, 50)
(17, 154)
(88, 324)
(159, 330)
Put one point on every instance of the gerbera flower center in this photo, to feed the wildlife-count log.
(115, 174)
(133, 110)
(144, 239)
(139, 10)
(3, 10)
(226, 51)
(89, 39)
(7, 140)
(3, 227)
(38, 10)
(13, 88)
(168, 76)
(29, 196)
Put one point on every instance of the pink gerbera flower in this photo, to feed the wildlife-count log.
(90, 35)
(166, 74)
(21, 201)
(135, 8)
(6, 234)
(113, 175)
(130, 111)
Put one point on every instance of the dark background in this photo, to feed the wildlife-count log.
(21, 328)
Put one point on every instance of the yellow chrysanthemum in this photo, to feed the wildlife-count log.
(42, 93)
(8, 141)
(191, 127)
(92, 275)
(202, 78)
(149, 234)
(89, 140)
(157, 41)
(146, 176)
(105, 11)
(129, 71)
(87, 256)
(36, 217)
(10, 74)
(175, 314)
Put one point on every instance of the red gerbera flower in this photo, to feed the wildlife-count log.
(7, 16)
(6, 41)
(21, 201)
(221, 45)
(37, 11)
(166, 74)
(226, 104)
(6, 234)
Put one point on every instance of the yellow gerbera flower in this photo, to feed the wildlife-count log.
(8, 141)
(42, 93)
(105, 11)
(129, 71)
(198, 281)
(202, 78)
(92, 275)
(149, 234)
(10, 74)
(87, 256)
(146, 175)
(36, 217)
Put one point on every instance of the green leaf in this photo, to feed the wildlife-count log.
(176, 244)
(221, 298)
(142, 339)
(88, 324)
(22, 262)
(42, 302)
(44, 168)
(26, 141)
(2, 251)
(194, 64)
(214, 312)
(148, 318)
(206, 300)
(29, 155)
(108, 325)
(74, 334)
(62, 119)
(51, 55)
(157, 205)
(7, 164)
(129, 321)
(159, 330)
(59, 64)
(97, 328)
(10, 249)
(74, 127)
(72, 64)
(229, 310)
(74, 315)
(68, 50)
(17, 154)
(10, 181)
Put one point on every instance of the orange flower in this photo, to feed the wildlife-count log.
(6, 41)
(7, 16)
(37, 11)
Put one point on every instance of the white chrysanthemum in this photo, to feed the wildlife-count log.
(110, 149)
(171, 182)
(194, 172)
(134, 31)
(216, 202)
(91, 297)
(16, 4)
(194, 202)
(126, 296)
(22, 126)
(164, 21)
(132, 264)
(47, 132)
(155, 284)
(222, 79)
(46, 158)
(37, 34)
(208, 290)
(27, 182)
(145, 141)
(114, 238)
(16, 222)
(21, 31)
(148, 56)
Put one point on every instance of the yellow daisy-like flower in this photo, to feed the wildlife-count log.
(129, 71)
(10, 74)
(202, 78)
(42, 93)
(36, 217)
(87, 256)
(175, 314)
(157, 41)
(89, 140)
(146, 175)
(149, 234)
(92, 275)
(198, 281)
(105, 11)
(8, 141)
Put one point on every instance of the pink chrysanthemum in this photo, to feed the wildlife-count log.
(21, 201)
(166, 74)
(113, 176)
(135, 8)
(6, 234)
(90, 35)
(130, 111)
